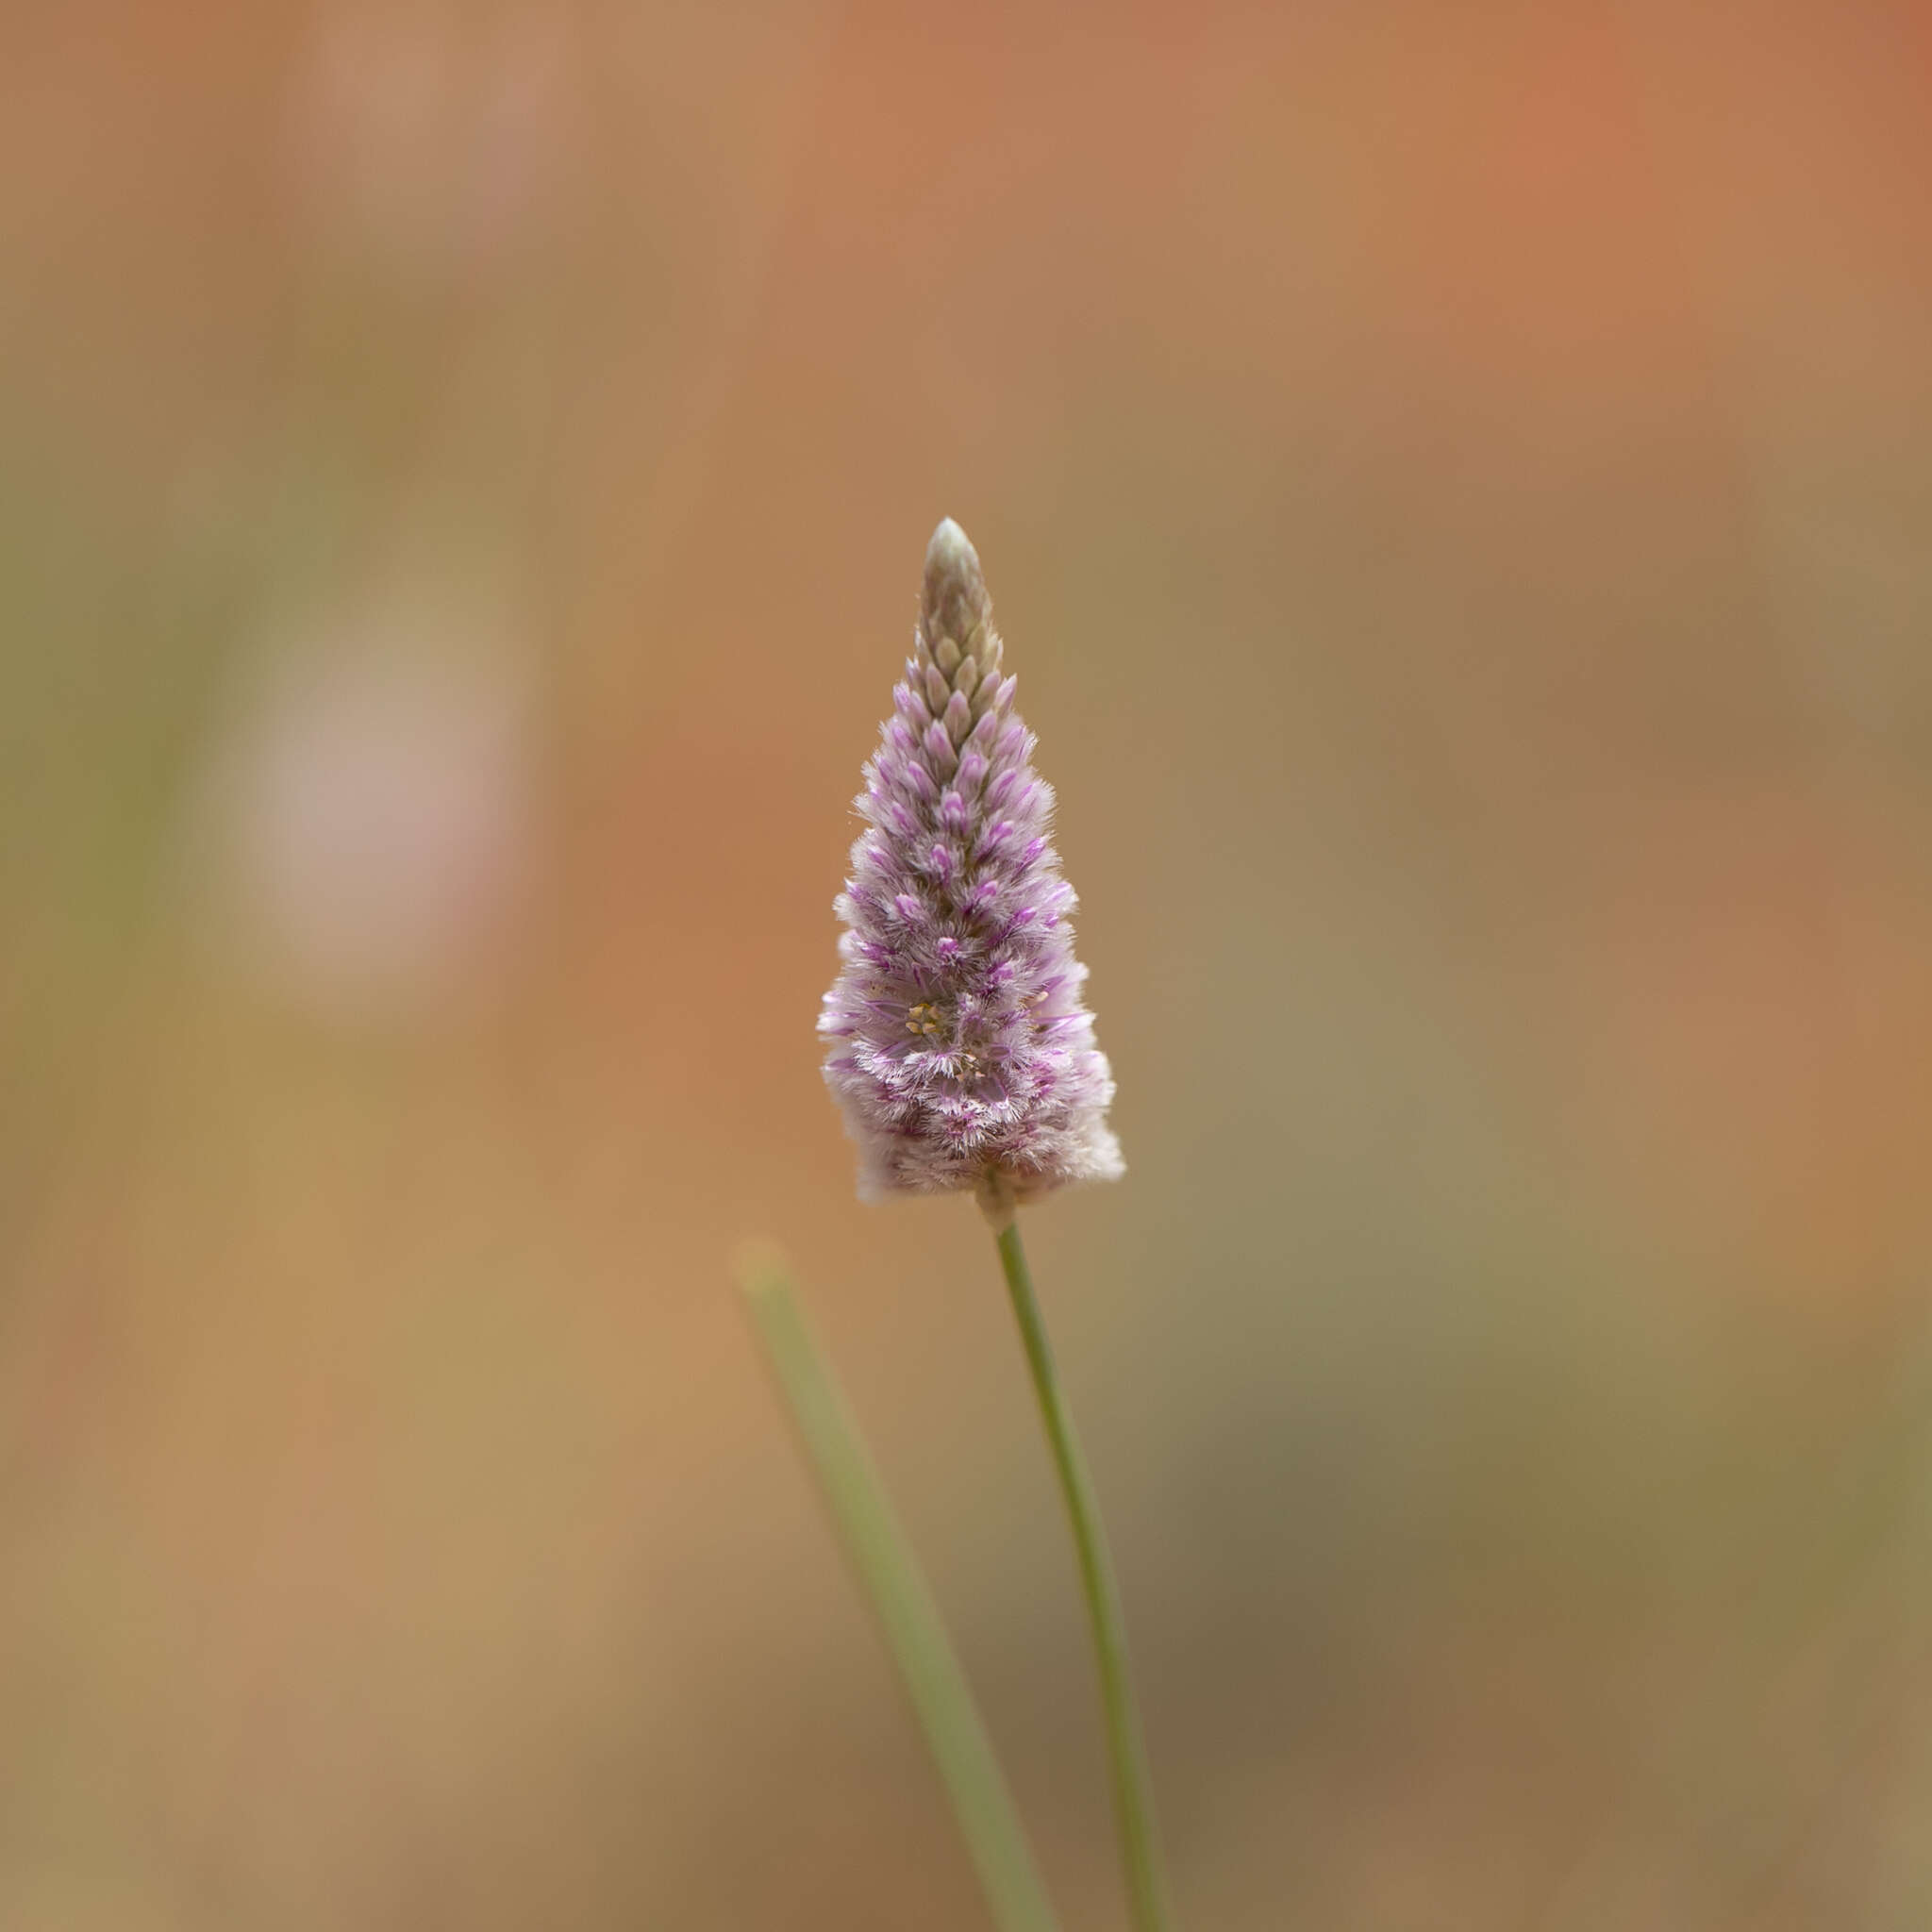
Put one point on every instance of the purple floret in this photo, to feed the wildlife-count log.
(959, 1049)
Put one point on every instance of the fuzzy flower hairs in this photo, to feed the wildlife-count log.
(958, 1047)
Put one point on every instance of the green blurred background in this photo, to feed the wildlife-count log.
(1458, 487)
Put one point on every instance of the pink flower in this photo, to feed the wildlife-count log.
(959, 1049)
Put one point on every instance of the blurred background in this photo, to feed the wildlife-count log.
(1458, 487)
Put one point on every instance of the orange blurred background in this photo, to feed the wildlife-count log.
(1456, 483)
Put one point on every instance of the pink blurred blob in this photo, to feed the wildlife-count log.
(375, 802)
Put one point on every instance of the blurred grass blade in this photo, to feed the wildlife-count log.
(893, 1583)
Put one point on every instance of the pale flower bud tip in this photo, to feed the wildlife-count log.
(955, 605)
(951, 551)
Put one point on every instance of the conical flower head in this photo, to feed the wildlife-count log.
(959, 1049)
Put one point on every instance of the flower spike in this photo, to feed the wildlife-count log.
(959, 1046)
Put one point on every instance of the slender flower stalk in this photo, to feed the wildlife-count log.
(960, 1050)
(1133, 1798)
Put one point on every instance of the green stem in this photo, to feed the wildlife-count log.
(889, 1574)
(1132, 1798)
